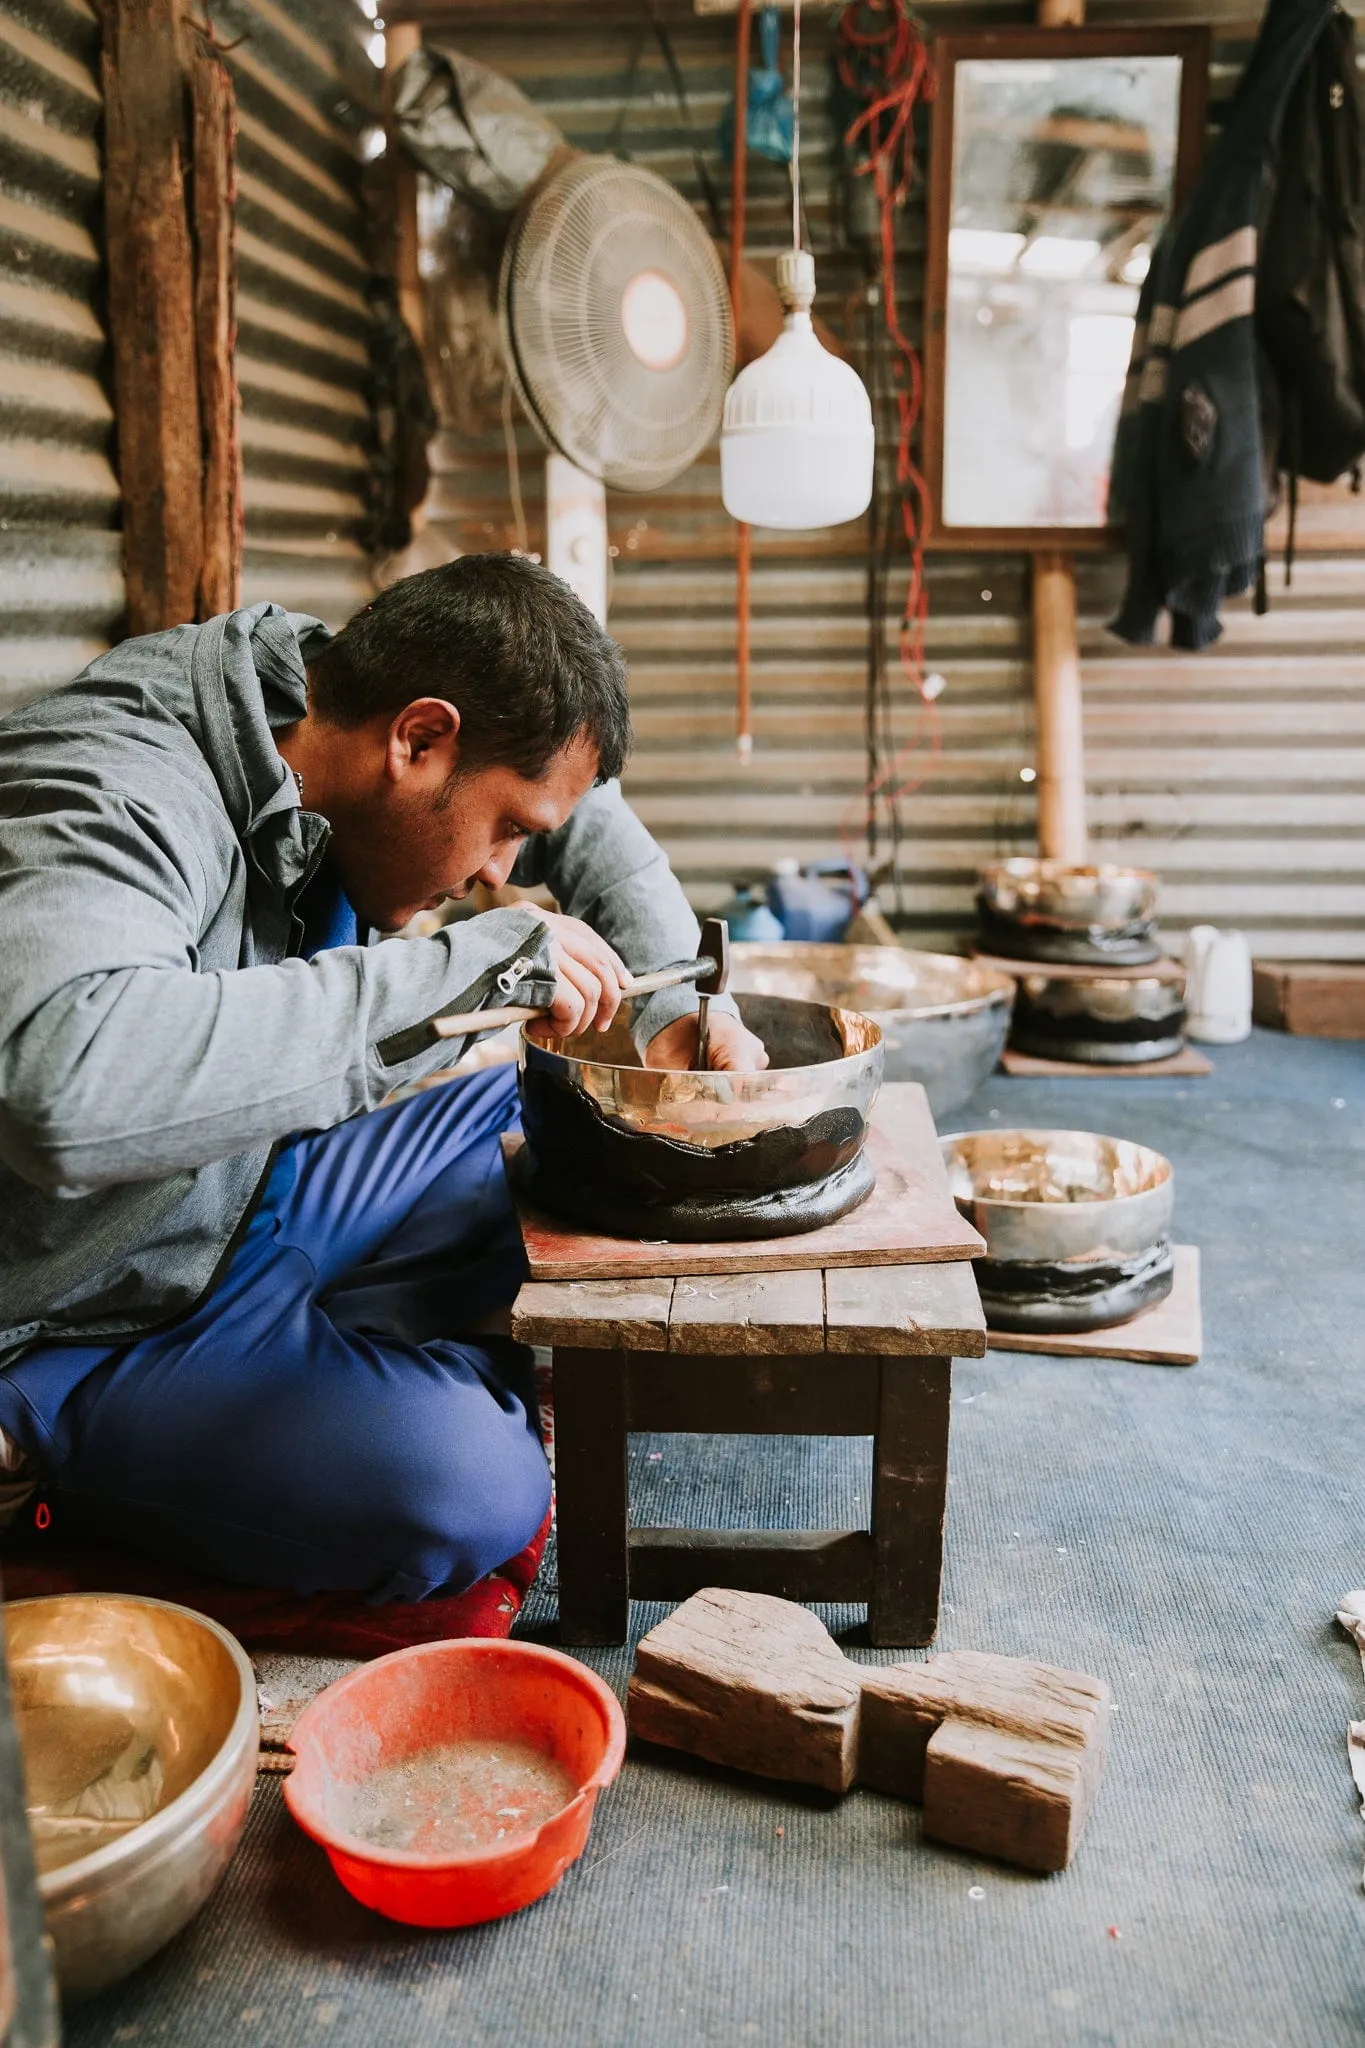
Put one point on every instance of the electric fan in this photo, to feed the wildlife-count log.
(616, 323)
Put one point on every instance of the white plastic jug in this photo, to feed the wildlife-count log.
(1218, 984)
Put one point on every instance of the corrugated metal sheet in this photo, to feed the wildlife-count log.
(61, 587)
(306, 91)
(1239, 774)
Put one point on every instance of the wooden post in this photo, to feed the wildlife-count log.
(151, 311)
(401, 40)
(1057, 696)
(1056, 654)
(744, 735)
(215, 324)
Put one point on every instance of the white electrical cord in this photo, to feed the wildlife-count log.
(796, 125)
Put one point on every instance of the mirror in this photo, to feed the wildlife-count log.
(1058, 155)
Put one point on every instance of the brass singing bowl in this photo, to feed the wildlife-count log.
(943, 1020)
(1058, 1196)
(138, 1726)
(1051, 892)
(821, 1057)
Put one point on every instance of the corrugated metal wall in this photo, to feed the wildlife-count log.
(306, 91)
(1239, 774)
(61, 587)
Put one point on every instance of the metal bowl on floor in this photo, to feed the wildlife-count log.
(943, 1020)
(637, 1152)
(1051, 892)
(1104, 1020)
(139, 1731)
(1077, 1226)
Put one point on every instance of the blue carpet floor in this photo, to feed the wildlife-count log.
(1183, 1532)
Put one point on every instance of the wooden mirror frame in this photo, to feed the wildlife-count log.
(1191, 45)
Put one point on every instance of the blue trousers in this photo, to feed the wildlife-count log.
(319, 1423)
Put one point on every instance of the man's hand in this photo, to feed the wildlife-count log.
(732, 1050)
(589, 978)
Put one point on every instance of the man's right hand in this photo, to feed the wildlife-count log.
(589, 978)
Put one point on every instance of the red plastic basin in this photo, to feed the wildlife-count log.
(414, 1716)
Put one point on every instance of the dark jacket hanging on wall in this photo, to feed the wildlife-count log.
(1188, 478)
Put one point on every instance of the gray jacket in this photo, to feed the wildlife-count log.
(158, 1033)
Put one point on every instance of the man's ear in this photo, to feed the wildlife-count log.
(423, 740)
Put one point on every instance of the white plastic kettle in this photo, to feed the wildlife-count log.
(1217, 984)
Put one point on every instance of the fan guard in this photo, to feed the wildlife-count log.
(604, 247)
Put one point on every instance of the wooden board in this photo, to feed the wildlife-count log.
(909, 1218)
(1027, 1066)
(749, 1312)
(1311, 998)
(1172, 1333)
(1164, 969)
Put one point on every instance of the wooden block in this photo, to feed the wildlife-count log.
(791, 1564)
(998, 1792)
(1027, 1066)
(934, 1310)
(909, 1218)
(1006, 1754)
(622, 1315)
(1171, 1333)
(739, 1312)
(1310, 998)
(751, 1682)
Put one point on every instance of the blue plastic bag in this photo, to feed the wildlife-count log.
(770, 107)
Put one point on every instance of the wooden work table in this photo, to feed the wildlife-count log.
(844, 1351)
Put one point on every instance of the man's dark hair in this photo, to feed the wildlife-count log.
(525, 664)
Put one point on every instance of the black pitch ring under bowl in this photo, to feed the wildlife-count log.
(1013, 938)
(1020, 1294)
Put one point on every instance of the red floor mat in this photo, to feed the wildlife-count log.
(36, 1561)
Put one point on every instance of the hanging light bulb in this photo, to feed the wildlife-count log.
(796, 441)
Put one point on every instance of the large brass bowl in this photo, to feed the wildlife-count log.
(943, 1020)
(139, 1731)
(642, 1153)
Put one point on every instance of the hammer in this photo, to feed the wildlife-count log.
(710, 971)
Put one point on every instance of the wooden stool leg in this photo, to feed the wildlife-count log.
(909, 1493)
(590, 1495)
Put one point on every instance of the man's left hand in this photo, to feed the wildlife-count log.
(732, 1049)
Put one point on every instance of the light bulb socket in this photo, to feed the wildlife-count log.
(796, 280)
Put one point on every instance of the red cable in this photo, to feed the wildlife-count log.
(884, 60)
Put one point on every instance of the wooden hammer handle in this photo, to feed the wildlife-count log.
(517, 1013)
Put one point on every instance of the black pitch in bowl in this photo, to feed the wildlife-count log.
(617, 1147)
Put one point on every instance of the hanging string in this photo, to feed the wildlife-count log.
(883, 60)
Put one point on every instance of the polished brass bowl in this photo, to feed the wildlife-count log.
(139, 1731)
(1079, 898)
(638, 1152)
(943, 1020)
(821, 1057)
(1060, 1195)
(1077, 1226)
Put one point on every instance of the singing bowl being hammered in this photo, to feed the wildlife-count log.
(1077, 1226)
(138, 1727)
(943, 1020)
(640, 1153)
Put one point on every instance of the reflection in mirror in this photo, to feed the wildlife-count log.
(1062, 175)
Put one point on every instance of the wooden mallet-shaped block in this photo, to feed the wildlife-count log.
(1004, 1754)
